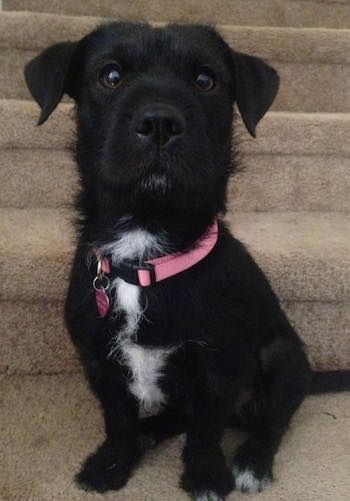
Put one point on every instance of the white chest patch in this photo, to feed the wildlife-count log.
(145, 364)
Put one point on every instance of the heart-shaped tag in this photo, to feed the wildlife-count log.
(102, 302)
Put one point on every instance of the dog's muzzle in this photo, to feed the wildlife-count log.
(159, 124)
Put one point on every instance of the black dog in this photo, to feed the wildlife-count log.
(205, 348)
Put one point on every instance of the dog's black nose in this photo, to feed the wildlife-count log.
(159, 123)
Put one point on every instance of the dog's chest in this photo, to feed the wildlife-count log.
(145, 365)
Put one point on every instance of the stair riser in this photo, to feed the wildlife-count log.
(306, 59)
(279, 133)
(297, 162)
(41, 178)
(288, 183)
(243, 12)
(275, 44)
(302, 273)
(47, 178)
(297, 89)
(37, 341)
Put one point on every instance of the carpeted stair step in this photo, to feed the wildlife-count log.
(34, 339)
(305, 255)
(299, 161)
(325, 133)
(307, 59)
(298, 13)
(277, 182)
(297, 169)
(49, 424)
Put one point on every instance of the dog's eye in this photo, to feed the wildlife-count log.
(111, 76)
(205, 81)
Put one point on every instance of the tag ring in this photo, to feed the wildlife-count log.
(102, 286)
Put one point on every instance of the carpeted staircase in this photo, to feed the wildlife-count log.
(291, 206)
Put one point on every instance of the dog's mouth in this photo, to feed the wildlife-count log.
(155, 173)
(155, 182)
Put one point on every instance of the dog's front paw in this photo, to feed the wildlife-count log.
(247, 480)
(106, 469)
(252, 469)
(207, 496)
(206, 476)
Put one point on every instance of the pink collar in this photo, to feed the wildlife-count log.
(168, 266)
(152, 271)
(156, 270)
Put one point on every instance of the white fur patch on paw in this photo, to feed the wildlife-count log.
(246, 481)
(207, 496)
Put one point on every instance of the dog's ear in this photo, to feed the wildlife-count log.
(256, 86)
(48, 78)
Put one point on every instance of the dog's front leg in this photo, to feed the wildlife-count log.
(206, 476)
(110, 466)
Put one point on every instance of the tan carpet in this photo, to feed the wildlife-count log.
(299, 161)
(279, 133)
(307, 59)
(34, 339)
(305, 254)
(291, 206)
(327, 13)
(50, 423)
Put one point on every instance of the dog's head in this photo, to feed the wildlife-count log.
(154, 110)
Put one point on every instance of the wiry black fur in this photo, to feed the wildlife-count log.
(240, 361)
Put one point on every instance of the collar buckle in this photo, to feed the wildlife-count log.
(136, 274)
